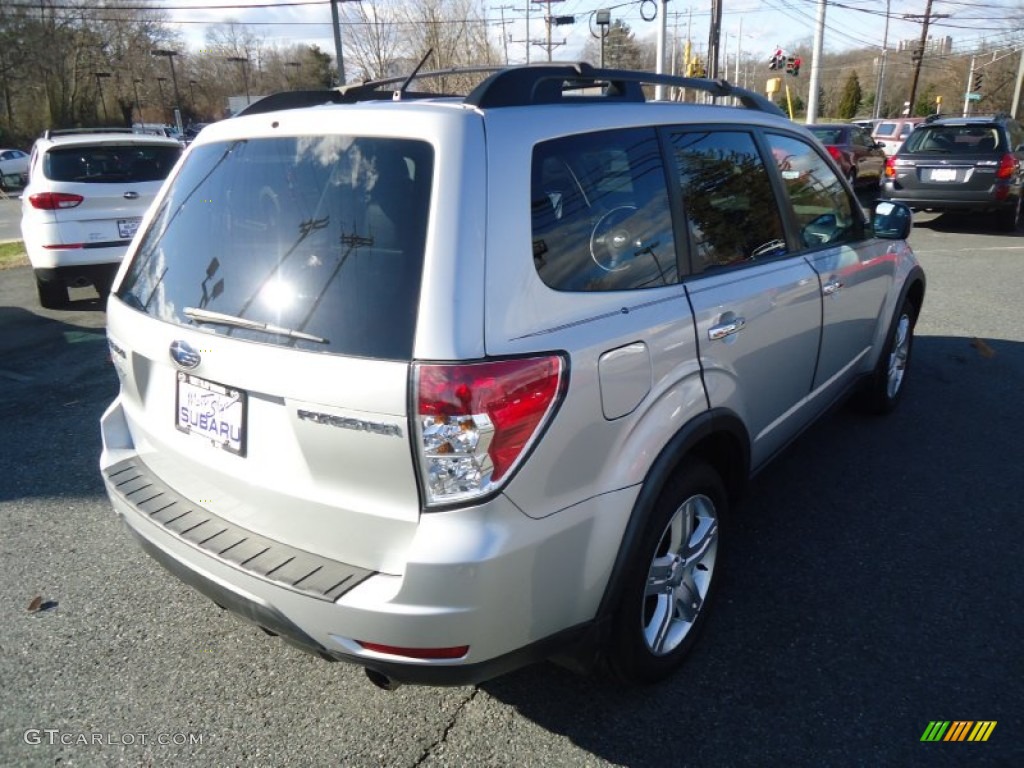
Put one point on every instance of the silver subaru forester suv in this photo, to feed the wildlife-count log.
(443, 385)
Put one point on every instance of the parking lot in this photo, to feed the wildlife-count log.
(872, 585)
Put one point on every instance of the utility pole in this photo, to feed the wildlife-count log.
(881, 66)
(815, 85)
(504, 35)
(713, 38)
(550, 22)
(918, 54)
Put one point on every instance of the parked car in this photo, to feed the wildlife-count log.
(444, 385)
(893, 132)
(859, 157)
(86, 194)
(13, 169)
(961, 164)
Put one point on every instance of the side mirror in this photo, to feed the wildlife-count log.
(891, 221)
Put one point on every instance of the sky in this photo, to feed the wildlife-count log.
(754, 26)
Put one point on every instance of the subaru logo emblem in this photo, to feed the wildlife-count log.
(183, 354)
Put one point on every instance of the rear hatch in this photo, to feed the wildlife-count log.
(266, 324)
(951, 160)
(116, 181)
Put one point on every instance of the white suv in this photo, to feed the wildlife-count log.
(444, 385)
(86, 194)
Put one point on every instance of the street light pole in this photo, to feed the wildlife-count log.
(176, 113)
(160, 85)
(138, 104)
(245, 77)
(604, 19)
(99, 86)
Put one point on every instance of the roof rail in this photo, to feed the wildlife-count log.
(49, 133)
(544, 83)
(549, 83)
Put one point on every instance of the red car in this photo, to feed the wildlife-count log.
(859, 157)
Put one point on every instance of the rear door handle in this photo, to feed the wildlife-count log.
(717, 332)
(832, 286)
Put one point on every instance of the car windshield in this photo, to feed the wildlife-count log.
(954, 139)
(322, 236)
(110, 163)
(885, 129)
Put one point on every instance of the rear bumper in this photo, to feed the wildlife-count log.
(952, 200)
(513, 589)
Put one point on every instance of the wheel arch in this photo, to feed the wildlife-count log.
(717, 438)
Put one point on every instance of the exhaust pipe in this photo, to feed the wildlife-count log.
(381, 680)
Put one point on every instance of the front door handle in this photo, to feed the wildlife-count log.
(728, 328)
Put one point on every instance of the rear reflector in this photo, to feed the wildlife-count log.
(456, 652)
(52, 201)
(64, 246)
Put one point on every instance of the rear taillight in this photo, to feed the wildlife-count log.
(836, 154)
(1007, 166)
(890, 166)
(475, 421)
(52, 201)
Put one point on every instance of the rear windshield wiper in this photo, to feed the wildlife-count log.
(218, 318)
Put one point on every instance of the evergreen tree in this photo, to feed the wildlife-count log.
(852, 96)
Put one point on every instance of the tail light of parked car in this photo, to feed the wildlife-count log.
(476, 421)
(837, 155)
(890, 166)
(52, 201)
(1008, 166)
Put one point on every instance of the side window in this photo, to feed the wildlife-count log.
(824, 211)
(600, 213)
(730, 209)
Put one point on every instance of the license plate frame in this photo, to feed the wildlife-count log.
(126, 228)
(210, 411)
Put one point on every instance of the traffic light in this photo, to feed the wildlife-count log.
(793, 65)
(976, 82)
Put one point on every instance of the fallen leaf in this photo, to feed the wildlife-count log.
(34, 606)
(983, 349)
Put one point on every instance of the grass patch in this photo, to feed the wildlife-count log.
(13, 255)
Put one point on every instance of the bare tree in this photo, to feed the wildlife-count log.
(373, 39)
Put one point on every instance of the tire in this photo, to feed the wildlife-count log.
(52, 294)
(885, 387)
(1008, 219)
(665, 596)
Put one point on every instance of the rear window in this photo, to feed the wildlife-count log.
(828, 135)
(956, 139)
(320, 238)
(110, 163)
(885, 129)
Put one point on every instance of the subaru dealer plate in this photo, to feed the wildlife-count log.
(126, 228)
(211, 411)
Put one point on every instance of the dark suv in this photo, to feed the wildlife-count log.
(960, 164)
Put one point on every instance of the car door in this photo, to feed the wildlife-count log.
(855, 270)
(756, 303)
